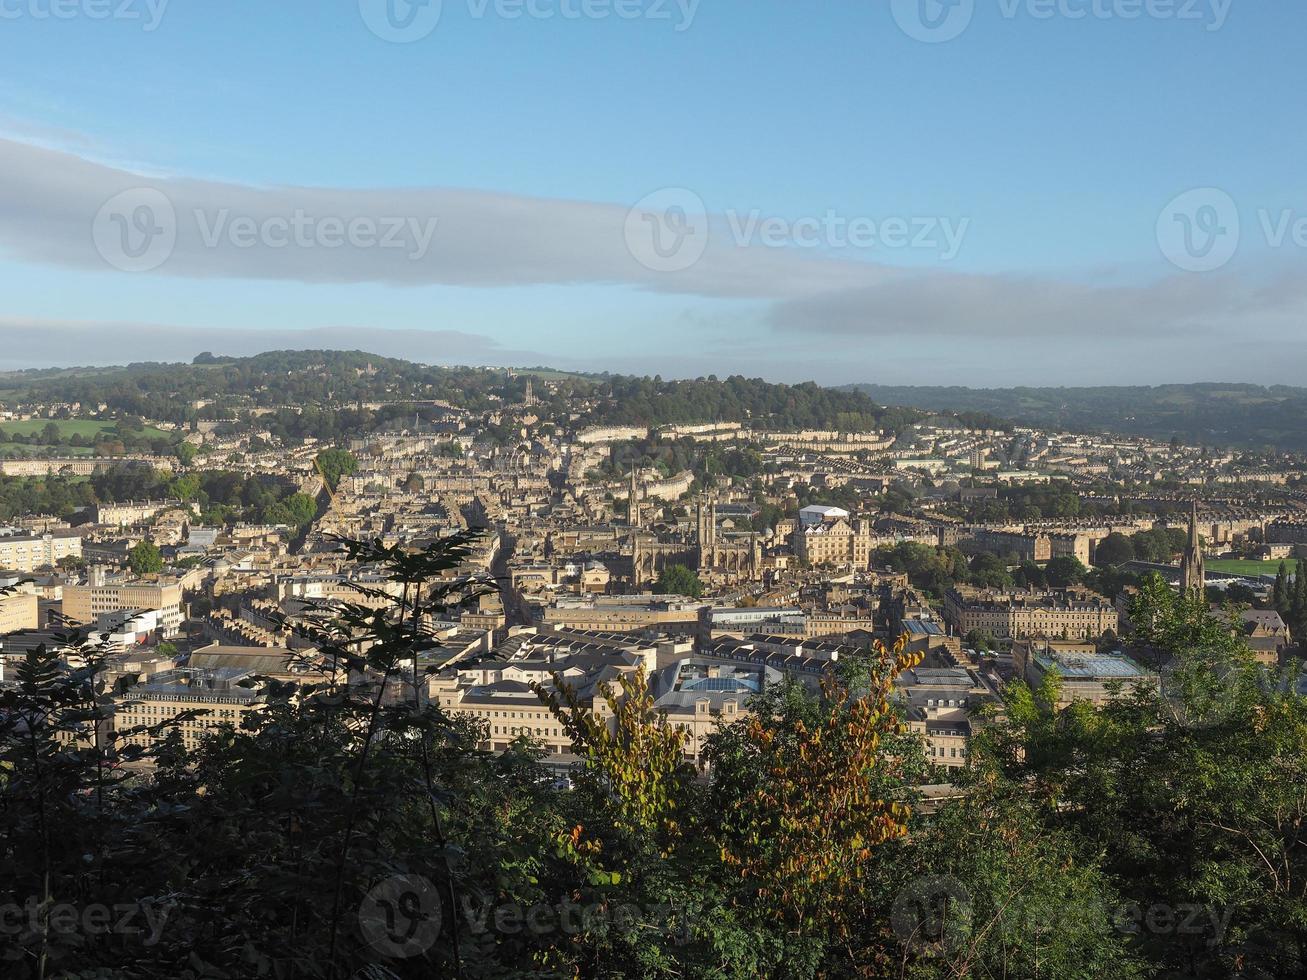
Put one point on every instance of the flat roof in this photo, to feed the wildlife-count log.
(1088, 667)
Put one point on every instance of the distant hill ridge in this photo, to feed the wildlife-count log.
(1214, 414)
(330, 391)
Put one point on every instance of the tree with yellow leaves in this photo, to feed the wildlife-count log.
(632, 755)
(806, 788)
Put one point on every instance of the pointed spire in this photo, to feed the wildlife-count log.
(1193, 576)
(633, 500)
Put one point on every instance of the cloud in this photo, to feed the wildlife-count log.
(1007, 307)
(63, 209)
(40, 134)
(28, 343)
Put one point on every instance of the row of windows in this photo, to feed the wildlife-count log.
(952, 753)
(525, 730)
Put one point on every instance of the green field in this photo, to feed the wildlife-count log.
(1235, 566)
(87, 428)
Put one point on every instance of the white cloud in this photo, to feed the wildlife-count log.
(49, 200)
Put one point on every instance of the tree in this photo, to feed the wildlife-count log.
(1240, 594)
(297, 510)
(1205, 820)
(334, 464)
(986, 888)
(186, 453)
(679, 580)
(1115, 549)
(639, 762)
(1280, 594)
(990, 572)
(1030, 575)
(144, 559)
(1064, 571)
(807, 789)
(51, 434)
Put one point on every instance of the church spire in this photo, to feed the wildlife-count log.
(633, 501)
(1193, 576)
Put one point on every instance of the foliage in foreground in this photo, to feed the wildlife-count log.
(352, 830)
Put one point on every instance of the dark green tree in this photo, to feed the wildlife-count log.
(679, 580)
(1064, 571)
(1115, 549)
(144, 558)
(334, 464)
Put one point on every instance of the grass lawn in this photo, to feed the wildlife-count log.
(87, 428)
(1236, 566)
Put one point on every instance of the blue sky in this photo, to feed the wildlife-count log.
(1033, 161)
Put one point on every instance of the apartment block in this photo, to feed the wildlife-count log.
(86, 603)
(28, 552)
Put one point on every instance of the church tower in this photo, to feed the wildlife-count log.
(1193, 577)
(633, 501)
(706, 533)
